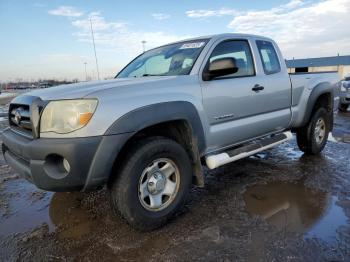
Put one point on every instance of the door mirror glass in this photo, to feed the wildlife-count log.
(220, 67)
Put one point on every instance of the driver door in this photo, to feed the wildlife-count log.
(235, 112)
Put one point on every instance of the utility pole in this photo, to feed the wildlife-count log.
(93, 41)
(85, 71)
(143, 45)
(338, 67)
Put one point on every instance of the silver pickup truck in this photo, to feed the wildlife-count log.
(147, 133)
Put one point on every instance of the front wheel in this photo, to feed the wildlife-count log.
(312, 138)
(152, 184)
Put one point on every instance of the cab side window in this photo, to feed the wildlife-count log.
(268, 57)
(240, 51)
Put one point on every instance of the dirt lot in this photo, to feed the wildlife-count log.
(279, 205)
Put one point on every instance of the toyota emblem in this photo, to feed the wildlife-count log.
(18, 117)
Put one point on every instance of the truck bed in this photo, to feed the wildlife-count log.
(302, 86)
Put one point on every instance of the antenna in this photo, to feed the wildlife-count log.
(93, 41)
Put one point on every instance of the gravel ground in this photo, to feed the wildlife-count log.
(279, 205)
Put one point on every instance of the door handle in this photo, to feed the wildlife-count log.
(257, 88)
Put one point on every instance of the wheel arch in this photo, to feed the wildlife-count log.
(322, 95)
(179, 121)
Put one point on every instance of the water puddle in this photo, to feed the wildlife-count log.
(295, 208)
(66, 213)
(341, 129)
(23, 208)
(288, 206)
(339, 138)
(331, 138)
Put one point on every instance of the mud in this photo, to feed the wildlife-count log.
(279, 205)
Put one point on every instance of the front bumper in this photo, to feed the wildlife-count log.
(91, 160)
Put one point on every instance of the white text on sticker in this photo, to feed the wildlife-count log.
(192, 45)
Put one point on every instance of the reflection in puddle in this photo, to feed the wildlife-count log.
(295, 208)
(287, 206)
(25, 208)
(66, 213)
(289, 153)
(342, 126)
(332, 138)
(29, 208)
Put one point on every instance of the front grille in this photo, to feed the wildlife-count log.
(20, 120)
(24, 115)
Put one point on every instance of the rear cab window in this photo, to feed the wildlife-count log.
(240, 51)
(269, 57)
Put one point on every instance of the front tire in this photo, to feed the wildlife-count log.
(152, 184)
(312, 138)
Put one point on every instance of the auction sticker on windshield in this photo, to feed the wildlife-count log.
(192, 45)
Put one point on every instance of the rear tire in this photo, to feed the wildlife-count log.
(312, 138)
(152, 184)
(343, 107)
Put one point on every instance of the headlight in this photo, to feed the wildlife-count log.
(67, 115)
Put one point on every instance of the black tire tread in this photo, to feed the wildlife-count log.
(118, 191)
(305, 136)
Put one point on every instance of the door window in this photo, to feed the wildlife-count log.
(268, 57)
(240, 51)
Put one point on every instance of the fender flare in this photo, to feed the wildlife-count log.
(153, 114)
(318, 90)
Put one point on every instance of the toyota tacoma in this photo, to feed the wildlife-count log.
(147, 133)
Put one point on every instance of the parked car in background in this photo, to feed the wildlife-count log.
(344, 94)
(145, 134)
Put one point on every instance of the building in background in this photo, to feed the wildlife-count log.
(340, 64)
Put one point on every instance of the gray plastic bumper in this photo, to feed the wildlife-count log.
(40, 160)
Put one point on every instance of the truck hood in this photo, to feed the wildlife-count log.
(83, 89)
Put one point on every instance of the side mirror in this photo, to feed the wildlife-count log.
(220, 67)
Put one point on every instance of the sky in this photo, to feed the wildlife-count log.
(52, 39)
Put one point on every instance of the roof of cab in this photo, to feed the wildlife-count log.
(225, 35)
(213, 38)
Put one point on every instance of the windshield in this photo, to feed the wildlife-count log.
(170, 60)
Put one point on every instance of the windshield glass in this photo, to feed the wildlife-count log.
(170, 60)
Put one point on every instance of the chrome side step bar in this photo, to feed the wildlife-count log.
(214, 161)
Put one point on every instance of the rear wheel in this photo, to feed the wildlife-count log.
(152, 184)
(343, 107)
(312, 138)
